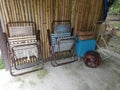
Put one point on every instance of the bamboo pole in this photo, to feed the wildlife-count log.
(100, 9)
(45, 25)
(36, 13)
(81, 14)
(2, 16)
(48, 25)
(84, 16)
(59, 14)
(6, 7)
(49, 16)
(38, 10)
(79, 10)
(91, 12)
(51, 12)
(22, 10)
(57, 9)
(62, 10)
(53, 9)
(11, 11)
(4, 11)
(41, 11)
(70, 8)
(19, 10)
(77, 16)
(73, 13)
(32, 10)
(25, 8)
(94, 19)
(40, 26)
(16, 10)
(69, 11)
(29, 12)
(66, 9)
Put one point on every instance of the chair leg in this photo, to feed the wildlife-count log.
(54, 62)
(14, 71)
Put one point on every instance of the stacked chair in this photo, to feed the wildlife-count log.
(60, 40)
(23, 47)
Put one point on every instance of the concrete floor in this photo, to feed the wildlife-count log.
(74, 76)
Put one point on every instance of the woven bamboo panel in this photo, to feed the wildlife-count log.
(82, 13)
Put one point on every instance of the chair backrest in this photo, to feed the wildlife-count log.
(61, 26)
(61, 29)
(16, 29)
(20, 31)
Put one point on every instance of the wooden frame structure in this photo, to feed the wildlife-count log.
(82, 13)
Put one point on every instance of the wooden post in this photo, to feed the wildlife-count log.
(4, 49)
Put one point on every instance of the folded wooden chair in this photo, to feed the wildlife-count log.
(24, 48)
(60, 40)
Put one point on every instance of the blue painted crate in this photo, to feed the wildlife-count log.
(82, 46)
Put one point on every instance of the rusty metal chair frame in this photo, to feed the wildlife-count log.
(103, 32)
(34, 63)
(59, 37)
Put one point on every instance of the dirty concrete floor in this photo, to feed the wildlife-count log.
(74, 76)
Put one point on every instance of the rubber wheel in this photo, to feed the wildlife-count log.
(92, 59)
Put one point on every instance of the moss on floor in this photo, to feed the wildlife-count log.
(2, 65)
(32, 83)
(42, 73)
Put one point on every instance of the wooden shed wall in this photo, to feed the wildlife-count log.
(82, 13)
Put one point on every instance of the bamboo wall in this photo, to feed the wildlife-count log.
(82, 13)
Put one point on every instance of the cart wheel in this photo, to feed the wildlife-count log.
(92, 59)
